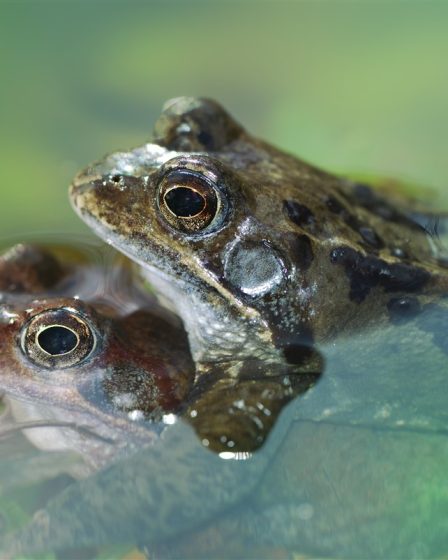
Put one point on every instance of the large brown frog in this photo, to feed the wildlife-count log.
(263, 256)
(80, 347)
(260, 253)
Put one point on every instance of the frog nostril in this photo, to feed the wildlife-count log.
(57, 340)
(185, 202)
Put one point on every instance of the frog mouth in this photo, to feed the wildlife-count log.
(32, 405)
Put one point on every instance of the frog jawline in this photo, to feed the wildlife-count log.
(218, 328)
(99, 440)
(214, 333)
(214, 336)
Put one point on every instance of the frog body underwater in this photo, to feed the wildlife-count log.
(261, 254)
(91, 364)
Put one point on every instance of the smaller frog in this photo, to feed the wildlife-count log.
(85, 366)
(262, 255)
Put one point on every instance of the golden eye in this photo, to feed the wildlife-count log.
(188, 201)
(57, 338)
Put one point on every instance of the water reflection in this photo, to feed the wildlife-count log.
(361, 473)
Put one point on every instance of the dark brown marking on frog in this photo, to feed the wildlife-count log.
(298, 213)
(296, 346)
(403, 309)
(434, 320)
(297, 354)
(116, 178)
(367, 234)
(206, 139)
(302, 251)
(335, 206)
(366, 272)
(366, 197)
(371, 237)
(29, 269)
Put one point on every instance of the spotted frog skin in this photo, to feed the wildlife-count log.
(260, 253)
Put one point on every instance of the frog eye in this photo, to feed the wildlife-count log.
(188, 201)
(57, 338)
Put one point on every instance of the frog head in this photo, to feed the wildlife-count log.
(260, 253)
(101, 378)
(184, 208)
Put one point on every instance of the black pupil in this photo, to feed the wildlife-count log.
(57, 340)
(184, 202)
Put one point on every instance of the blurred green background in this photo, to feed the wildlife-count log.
(358, 87)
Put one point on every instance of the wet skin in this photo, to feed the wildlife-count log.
(260, 253)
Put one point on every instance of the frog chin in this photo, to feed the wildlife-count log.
(216, 333)
(220, 328)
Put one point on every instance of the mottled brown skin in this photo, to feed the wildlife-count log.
(294, 256)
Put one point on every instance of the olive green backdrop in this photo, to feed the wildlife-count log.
(357, 87)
